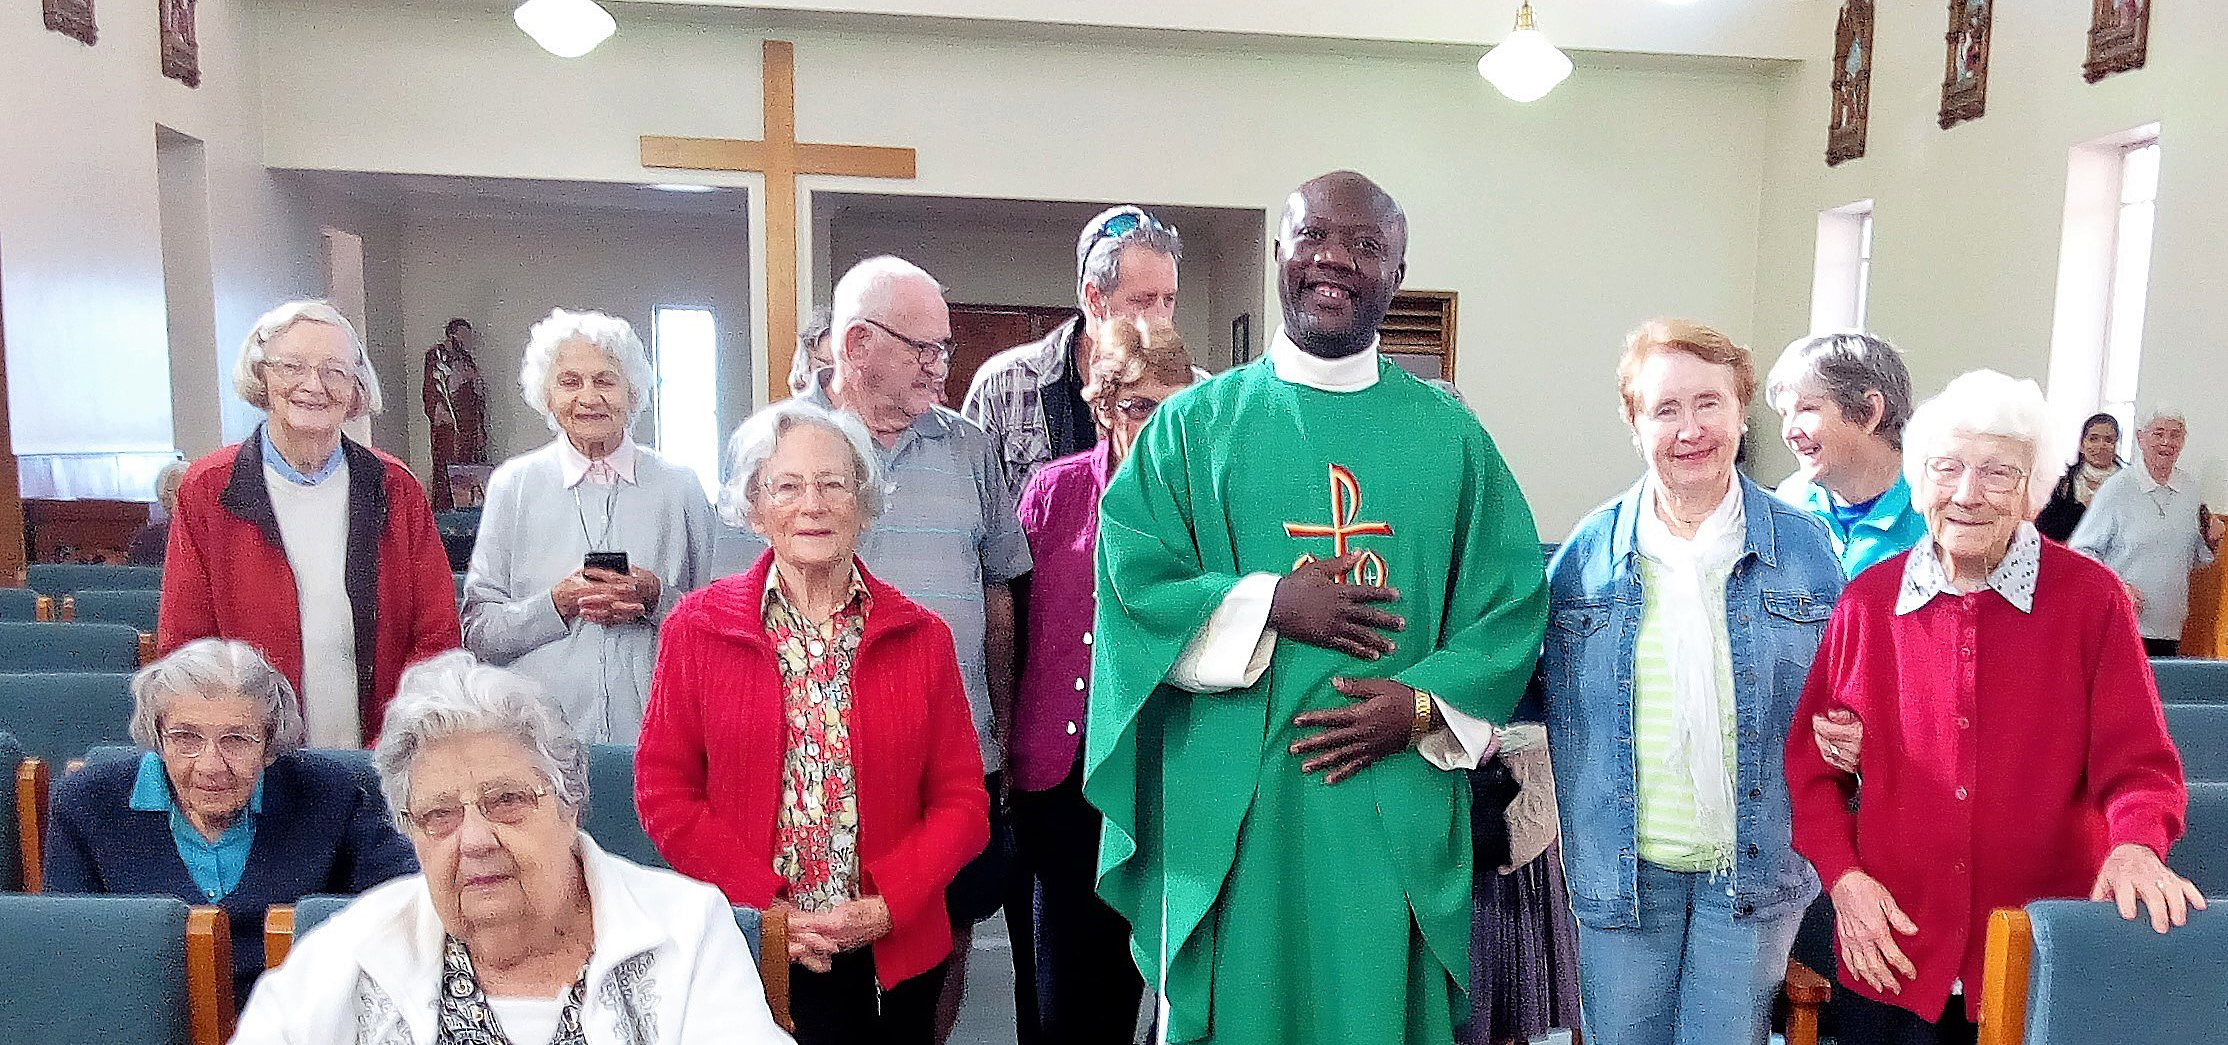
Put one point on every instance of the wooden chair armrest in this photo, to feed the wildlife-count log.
(42, 609)
(69, 608)
(146, 648)
(209, 975)
(278, 934)
(30, 814)
(1805, 987)
(2004, 969)
(773, 964)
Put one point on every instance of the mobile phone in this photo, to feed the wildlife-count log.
(616, 562)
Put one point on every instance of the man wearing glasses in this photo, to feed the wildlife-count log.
(948, 538)
(1029, 398)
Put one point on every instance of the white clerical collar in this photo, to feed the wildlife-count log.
(610, 469)
(1351, 374)
(2013, 578)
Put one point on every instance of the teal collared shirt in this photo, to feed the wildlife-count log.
(1891, 528)
(216, 866)
(278, 463)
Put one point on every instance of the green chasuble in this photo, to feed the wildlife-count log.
(1282, 910)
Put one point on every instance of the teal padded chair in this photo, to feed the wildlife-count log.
(19, 604)
(611, 818)
(68, 647)
(2093, 977)
(2200, 732)
(2185, 681)
(57, 716)
(138, 607)
(11, 831)
(2202, 854)
(95, 970)
(62, 578)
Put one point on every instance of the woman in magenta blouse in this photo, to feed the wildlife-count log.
(2013, 745)
(1087, 986)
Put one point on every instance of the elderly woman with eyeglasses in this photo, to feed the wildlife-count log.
(2013, 745)
(586, 543)
(521, 930)
(809, 742)
(222, 807)
(311, 547)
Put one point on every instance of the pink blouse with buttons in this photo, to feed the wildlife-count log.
(1059, 512)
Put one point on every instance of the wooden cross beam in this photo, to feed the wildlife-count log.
(781, 158)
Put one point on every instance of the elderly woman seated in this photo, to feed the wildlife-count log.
(222, 808)
(2013, 748)
(586, 543)
(809, 743)
(521, 930)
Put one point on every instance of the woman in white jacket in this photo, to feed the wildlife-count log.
(521, 931)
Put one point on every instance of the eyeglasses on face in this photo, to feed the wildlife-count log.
(508, 804)
(232, 747)
(930, 352)
(1946, 472)
(786, 490)
(292, 372)
(1136, 408)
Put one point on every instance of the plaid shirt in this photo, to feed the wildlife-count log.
(1008, 398)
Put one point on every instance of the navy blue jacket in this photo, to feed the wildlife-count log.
(322, 830)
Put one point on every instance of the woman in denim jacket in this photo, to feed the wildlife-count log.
(1683, 619)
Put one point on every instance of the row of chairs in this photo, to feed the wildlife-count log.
(66, 578)
(138, 607)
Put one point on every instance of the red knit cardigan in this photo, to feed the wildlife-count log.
(707, 776)
(225, 573)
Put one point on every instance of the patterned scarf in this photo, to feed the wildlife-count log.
(466, 1018)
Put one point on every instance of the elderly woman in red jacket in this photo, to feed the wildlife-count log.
(315, 549)
(2013, 748)
(808, 742)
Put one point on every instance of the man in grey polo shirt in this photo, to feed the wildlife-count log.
(948, 538)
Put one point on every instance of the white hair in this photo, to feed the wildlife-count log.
(2157, 412)
(867, 291)
(215, 668)
(612, 336)
(452, 695)
(756, 439)
(1985, 402)
(247, 377)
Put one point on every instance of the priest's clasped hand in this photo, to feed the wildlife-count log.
(1314, 605)
(1380, 722)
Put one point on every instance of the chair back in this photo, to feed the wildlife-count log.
(11, 826)
(768, 936)
(93, 970)
(2202, 854)
(2200, 733)
(68, 647)
(138, 607)
(20, 604)
(56, 716)
(69, 578)
(2072, 972)
(2182, 680)
(611, 818)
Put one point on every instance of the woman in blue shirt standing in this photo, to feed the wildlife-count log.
(221, 808)
(1842, 400)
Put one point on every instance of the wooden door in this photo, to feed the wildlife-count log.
(982, 331)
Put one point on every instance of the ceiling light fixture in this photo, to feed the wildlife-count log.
(1524, 66)
(565, 28)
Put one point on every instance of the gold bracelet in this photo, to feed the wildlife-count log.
(1422, 725)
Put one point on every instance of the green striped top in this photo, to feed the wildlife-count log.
(1669, 835)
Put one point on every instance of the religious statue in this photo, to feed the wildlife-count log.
(456, 404)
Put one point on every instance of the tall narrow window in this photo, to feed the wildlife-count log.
(1841, 286)
(2131, 282)
(2104, 276)
(685, 348)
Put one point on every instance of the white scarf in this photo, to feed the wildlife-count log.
(2091, 477)
(1698, 702)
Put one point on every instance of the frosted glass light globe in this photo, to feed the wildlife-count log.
(1525, 66)
(565, 28)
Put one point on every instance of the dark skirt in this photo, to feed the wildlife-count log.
(1523, 939)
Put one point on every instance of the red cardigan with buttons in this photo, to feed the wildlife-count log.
(2005, 754)
(225, 573)
(707, 776)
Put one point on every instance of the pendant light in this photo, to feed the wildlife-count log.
(565, 28)
(1524, 65)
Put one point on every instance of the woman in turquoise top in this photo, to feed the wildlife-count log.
(1842, 400)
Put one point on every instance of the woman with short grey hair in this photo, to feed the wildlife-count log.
(221, 807)
(586, 543)
(521, 929)
(304, 543)
(754, 442)
(1842, 400)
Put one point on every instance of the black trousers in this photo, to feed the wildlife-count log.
(1861, 1021)
(2162, 647)
(845, 1006)
(1088, 988)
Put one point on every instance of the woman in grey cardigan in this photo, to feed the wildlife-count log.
(532, 602)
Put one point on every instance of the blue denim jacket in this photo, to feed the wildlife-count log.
(1781, 591)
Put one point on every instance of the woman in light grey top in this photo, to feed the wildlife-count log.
(588, 635)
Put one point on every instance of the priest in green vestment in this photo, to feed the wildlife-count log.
(1318, 586)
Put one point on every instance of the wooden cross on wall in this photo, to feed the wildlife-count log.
(781, 158)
